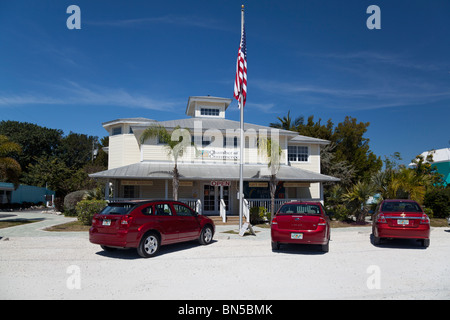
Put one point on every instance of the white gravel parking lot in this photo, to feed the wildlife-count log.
(57, 266)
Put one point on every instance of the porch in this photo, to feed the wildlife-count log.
(231, 217)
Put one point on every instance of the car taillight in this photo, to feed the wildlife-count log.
(425, 219)
(126, 221)
(381, 218)
(322, 222)
(274, 221)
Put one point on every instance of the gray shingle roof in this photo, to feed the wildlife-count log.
(148, 170)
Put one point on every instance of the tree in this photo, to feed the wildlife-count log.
(176, 144)
(399, 182)
(357, 198)
(76, 149)
(339, 169)
(10, 169)
(350, 147)
(316, 129)
(35, 140)
(272, 150)
(354, 148)
(287, 123)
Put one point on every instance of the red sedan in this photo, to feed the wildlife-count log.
(301, 222)
(400, 219)
(147, 225)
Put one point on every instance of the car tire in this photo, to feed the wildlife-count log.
(206, 235)
(425, 243)
(326, 247)
(149, 245)
(275, 246)
(376, 240)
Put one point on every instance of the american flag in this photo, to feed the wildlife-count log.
(240, 83)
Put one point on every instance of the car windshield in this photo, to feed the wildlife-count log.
(400, 207)
(118, 208)
(308, 209)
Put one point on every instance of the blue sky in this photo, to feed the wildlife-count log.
(145, 58)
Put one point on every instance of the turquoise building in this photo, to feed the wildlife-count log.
(441, 161)
(23, 193)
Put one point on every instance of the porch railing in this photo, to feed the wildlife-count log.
(267, 203)
(197, 205)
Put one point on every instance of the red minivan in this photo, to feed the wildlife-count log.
(147, 225)
(301, 222)
(400, 219)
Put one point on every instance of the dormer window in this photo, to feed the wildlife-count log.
(210, 112)
(116, 131)
(207, 107)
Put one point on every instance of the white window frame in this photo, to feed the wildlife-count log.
(298, 154)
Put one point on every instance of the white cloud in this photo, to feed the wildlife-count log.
(72, 93)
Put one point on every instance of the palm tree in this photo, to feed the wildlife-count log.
(287, 123)
(357, 197)
(176, 143)
(402, 183)
(272, 150)
(9, 168)
(413, 184)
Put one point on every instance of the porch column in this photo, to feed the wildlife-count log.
(107, 190)
(166, 189)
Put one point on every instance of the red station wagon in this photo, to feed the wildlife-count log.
(147, 225)
(400, 219)
(301, 222)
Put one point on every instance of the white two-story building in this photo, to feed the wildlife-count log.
(209, 167)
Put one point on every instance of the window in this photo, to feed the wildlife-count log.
(118, 208)
(230, 141)
(298, 153)
(163, 209)
(209, 112)
(400, 206)
(182, 210)
(129, 191)
(304, 209)
(116, 131)
(148, 211)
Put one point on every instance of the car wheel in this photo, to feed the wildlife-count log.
(426, 243)
(275, 246)
(149, 245)
(206, 235)
(325, 247)
(376, 240)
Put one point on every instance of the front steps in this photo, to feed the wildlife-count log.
(231, 220)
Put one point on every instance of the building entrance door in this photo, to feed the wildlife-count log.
(212, 196)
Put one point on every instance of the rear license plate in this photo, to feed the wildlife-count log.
(296, 235)
(403, 222)
(106, 222)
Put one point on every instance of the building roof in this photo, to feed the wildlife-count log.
(439, 155)
(149, 170)
(306, 139)
(129, 121)
(223, 124)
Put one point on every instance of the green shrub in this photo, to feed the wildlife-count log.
(438, 199)
(87, 208)
(71, 200)
(258, 215)
(340, 212)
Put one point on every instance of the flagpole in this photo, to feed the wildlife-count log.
(241, 164)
